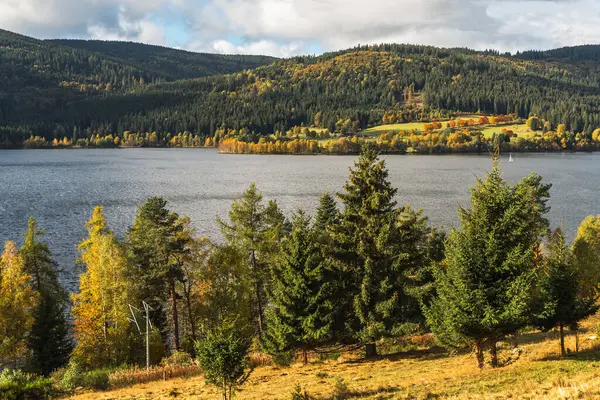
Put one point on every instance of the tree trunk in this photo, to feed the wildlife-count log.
(494, 354)
(305, 353)
(576, 340)
(370, 350)
(191, 316)
(562, 339)
(174, 314)
(479, 354)
(257, 288)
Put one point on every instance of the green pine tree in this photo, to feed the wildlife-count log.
(327, 214)
(484, 285)
(300, 314)
(562, 303)
(379, 249)
(49, 340)
(255, 230)
(157, 244)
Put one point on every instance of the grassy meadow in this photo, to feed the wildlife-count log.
(419, 126)
(536, 372)
(379, 129)
(519, 129)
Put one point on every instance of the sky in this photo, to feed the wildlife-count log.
(285, 28)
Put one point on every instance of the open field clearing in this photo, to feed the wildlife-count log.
(409, 126)
(519, 129)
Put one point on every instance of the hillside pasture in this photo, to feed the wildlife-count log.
(533, 372)
(519, 129)
(412, 126)
(379, 129)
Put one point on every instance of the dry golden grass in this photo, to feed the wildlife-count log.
(140, 375)
(425, 374)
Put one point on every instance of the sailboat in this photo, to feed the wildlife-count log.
(510, 159)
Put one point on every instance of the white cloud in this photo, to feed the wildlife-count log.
(334, 24)
(259, 47)
(126, 19)
(139, 30)
(288, 27)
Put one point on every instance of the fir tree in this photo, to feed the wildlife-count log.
(379, 248)
(300, 314)
(49, 339)
(327, 214)
(562, 304)
(255, 230)
(484, 287)
(157, 245)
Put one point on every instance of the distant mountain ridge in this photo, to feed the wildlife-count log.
(39, 76)
(589, 52)
(79, 89)
(164, 61)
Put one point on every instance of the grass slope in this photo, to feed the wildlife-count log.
(519, 129)
(426, 374)
(419, 126)
(379, 129)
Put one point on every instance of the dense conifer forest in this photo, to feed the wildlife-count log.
(107, 94)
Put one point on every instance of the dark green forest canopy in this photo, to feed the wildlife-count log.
(73, 88)
(169, 63)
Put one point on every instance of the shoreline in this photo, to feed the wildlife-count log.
(480, 153)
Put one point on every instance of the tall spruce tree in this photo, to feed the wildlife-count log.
(327, 214)
(484, 285)
(49, 339)
(157, 245)
(255, 231)
(379, 248)
(562, 303)
(300, 311)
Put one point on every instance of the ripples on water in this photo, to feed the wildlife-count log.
(61, 187)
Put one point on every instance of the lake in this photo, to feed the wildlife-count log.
(60, 187)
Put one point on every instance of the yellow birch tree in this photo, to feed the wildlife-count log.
(100, 309)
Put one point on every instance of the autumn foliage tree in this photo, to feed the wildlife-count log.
(562, 303)
(17, 303)
(100, 309)
(586, 253)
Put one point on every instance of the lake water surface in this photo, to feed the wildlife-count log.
(61, 187)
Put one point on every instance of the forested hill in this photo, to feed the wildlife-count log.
(343, 92)
(169, 63)
(40, 77)
(575, 53)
